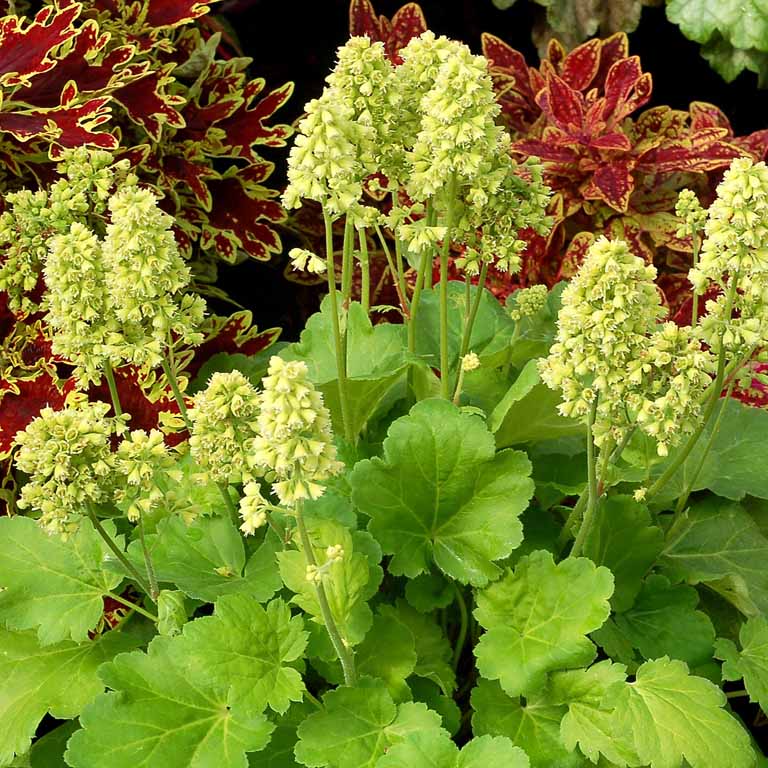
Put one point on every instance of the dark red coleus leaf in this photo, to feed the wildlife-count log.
(21, 400)
(242, 214)
(407, 23)
(27, 50)
(147, 101)
(235, 334)
(246, 128)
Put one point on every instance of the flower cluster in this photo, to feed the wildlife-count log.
(690, 210)
(430, 127)
(608, 312)
(67, 455)
(119, 298)
(529, 302)
(295, 441)
(734, 259)
(142, 459)
(673, 374)
(224, 425)
(147, 279)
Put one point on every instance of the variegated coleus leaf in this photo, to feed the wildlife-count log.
(407, 23)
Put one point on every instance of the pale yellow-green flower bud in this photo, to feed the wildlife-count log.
(224, 424)
(253, 509)
(295, 440)
(68, 458)
(306, 261)
(529, 302)
(689, 209)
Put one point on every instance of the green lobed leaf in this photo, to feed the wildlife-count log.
(533, 726)
(744, 23)
(246, 649)
(48, 751)
(279, 752)
(492, 331)
(729, 62)
(587, 723)
(751, 662)
(427, 692)
(376, 358)
(434, 749)
(734, 466)
(162, 713)
(528, 412)
(429, 591)
(717, 543)
(625, 541)
(441, 493)
(537, 619)
(206, 559)
(50, 585)
(664, 622)
(37, 679)
(673, 716)
(349, 584)
(433, 651)
(358, 725)
(536, 334)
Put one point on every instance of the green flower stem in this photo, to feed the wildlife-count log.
(402, 294)
(682, 501)
(431, 216)
(228, 503)
(132, 606)
(717, 387)
(110, 377)
(344, 654)
(154, 591)
(695, 308)
(171, 376)
(365, 271)
(423, 267)
(399, 263)
(463, 626)
(347, 262)
(127, 564)
(589, 513)
(472, 312)
(572, 521)
(619, 449)
(312, 699)
(737, 694)
(341, 360)
(445, 384)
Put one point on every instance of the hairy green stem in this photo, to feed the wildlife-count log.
(682, 455)
(695, 307)
(365, 271)
(151, 577)
(473, 310)
(445, 384)
(402, 294)
(171, 376)
(589, 513)
(228, 503)
(133, 606)
(109, 541)
(463, 626)
(344, 654)
(109, 375)
(683, 500)
(341, 360)
(423, 266)
(347, 262)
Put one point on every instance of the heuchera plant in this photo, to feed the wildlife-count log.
(523, 536)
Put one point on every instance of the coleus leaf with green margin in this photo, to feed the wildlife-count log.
(248, 650)
(533, 725)
(206, 559)
(349, 584)
(376, 359)
(58, 679)
(625, 541)
(751, 661)
(664, 622)
(162, 712)
(717, 543)
(442, 494)
(434, 749)
(50, 585)
(357, 725)
(537, 618)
